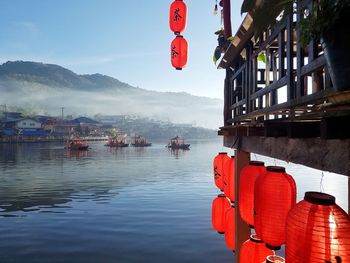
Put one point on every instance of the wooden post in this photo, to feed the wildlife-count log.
(348, 194)
(242, 158)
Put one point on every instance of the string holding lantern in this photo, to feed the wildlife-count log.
(219, 172)
(219, 207)
(248, 176)
(179, 49)
(274, 196)
(178, 16)
(254, 251)
(317, 230)
(230, 228)
(229, 178)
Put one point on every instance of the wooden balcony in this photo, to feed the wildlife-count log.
(285, 107)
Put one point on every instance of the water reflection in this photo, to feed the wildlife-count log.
(77, 154)
(178, 152)
(106, 205)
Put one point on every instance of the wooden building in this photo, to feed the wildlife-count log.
(285, 108)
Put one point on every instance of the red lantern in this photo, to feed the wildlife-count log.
(275, 195)
(248, 176)
(179, 48)
(219, 174)
(318, 230)
(230, 227)
(229, 178)
(219, 208)
(178, 16)
(254, 251)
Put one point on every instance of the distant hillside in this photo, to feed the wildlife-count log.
(156, 130)
(46, 87)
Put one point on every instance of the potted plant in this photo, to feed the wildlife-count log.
(326, 22)
(329, 23)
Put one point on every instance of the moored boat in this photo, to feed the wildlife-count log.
(178, 143)
(77, 145)
(117, 142)
(140, 141)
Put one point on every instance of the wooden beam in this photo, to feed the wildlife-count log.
(242, 230)
(326, 155)
(335, 127)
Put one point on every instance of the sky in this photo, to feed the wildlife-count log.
(128, 40)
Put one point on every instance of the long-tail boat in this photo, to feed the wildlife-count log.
(117, 142)
(178, 143)
(140, 141)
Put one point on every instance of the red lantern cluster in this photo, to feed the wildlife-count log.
(248, 176)
(275, 195)
(219, 171)
(229, 178)
(254, 251)
(317, 230)
(218, 217)
(230, 228)
(177, 23)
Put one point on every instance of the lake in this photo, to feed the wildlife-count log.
(120, 205)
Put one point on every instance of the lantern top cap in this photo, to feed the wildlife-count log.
(222, 152)
(221, 195)
(274, 259)
(256, 163)
(255, 239)
(319, 198)
(278, 169)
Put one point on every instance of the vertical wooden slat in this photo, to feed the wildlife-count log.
(242, 159)
(289, 46)
(281, 55)
(300, 59)
(227, 98)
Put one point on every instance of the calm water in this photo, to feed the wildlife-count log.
(118, 205)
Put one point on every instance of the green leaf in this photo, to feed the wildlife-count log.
(217, 54)
(262, 57)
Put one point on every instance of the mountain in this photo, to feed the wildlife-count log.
(44, 88)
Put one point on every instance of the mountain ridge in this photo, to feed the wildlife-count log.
(46, 87)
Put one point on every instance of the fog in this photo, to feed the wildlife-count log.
(174, 107)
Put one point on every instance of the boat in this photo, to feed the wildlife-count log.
(140, 141)
(178, 143)
(117, 142)
(77, 145)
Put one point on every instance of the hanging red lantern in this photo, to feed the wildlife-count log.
(219, 208)
(179, 49)
(178, 16)
(254, 251)
(317, 230)
(219, 172)
(230, 227)
(229, 178)
(248, 176)
(275, 195)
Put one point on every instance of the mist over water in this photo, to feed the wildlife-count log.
(166, 106)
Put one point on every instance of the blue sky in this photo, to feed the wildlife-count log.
(128, 40)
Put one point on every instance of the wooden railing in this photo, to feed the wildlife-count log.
(291, 83)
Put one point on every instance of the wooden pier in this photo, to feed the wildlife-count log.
(285, 108)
